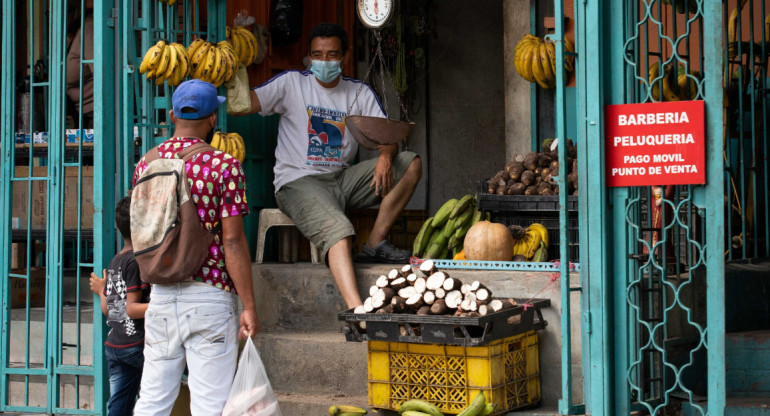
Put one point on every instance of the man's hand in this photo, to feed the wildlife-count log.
(249, 324)
(97, 283)
(382, 180)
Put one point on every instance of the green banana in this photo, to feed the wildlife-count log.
(414, 413)
(477, 215)
(461, 206)
(488, 409)
(449, 228)
(458, 237)
(420, 406)
(476, 406)
(442, 215)
(464, 218)
(436, 245)
(541, 254)
(488, 216)
(420, 242)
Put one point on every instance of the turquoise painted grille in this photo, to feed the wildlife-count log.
(672, 272)
(48, 362)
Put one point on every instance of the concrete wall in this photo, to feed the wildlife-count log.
(466, 91)
(518, 123)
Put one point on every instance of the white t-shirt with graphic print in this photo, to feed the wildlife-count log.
(312, 137)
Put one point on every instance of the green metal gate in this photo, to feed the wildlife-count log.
(53, 233)
(653, 280)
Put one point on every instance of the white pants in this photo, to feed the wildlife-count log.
(194, 324)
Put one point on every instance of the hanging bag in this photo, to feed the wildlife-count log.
(251, 393)
(238, 92)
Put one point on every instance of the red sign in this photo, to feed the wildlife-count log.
(655, 143)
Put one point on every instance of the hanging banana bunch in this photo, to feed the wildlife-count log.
(244, 43)
(535, 60)
(170, 2)
(165, 62)
(214, 63)
(231, 143)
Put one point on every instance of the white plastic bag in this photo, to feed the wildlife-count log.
(238, 93)
(251, 393)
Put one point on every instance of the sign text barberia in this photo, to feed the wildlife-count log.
(655, 143)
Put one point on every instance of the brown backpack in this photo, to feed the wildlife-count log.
(170, 243)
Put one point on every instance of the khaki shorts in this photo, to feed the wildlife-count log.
(317, 203)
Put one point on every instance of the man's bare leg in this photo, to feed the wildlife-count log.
(394, 202)
(341, 266)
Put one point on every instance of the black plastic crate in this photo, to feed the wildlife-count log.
(521, 203)
(551, 222)
(444, 329)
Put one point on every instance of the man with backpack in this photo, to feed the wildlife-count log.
(187, 212)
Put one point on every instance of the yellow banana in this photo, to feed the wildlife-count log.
(241, 46)
(541, 230)
(518, 56)
(194, 45)
(537, 68)
(164, 61)
(685, 86)
(253, 45)
(545, 64)
(767, 28)
(335, 410)
(526, 61)
(172, 63)
(216, 65)
(229, 56)
(240, 145)
(215, 141)
(208, 68)
(551, 49)
(668, 93)
(152, 57)
(197, 60)
(171, 2)
(184, 61)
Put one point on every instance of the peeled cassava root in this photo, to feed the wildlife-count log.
(431, 292)
(535, 173)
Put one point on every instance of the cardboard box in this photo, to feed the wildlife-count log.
(20, 206)
(73, 135)
(36, 286)
(18, 255)
(40, 137)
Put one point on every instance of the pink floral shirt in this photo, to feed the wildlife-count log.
(218, 188)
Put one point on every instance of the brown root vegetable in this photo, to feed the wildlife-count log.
(518, 157)
(572, 177)
(531, 190)
(491, 186)
(517, 188)
(515, 171)
(544, 161)
(545, 172)
(547, 192)
(439, 307)
(537, 171)
(501, 190)
(531, 161)
(528, 178)
(538, 180)
(555, 165)
(542, 186)
(509, 182)
(575, 193)
(519, 257)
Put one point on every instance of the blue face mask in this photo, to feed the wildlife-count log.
(326, 71)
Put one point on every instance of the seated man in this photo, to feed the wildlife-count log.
(315, 180)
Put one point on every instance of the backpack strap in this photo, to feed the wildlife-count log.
(187, 153)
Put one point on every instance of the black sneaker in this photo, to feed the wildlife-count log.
(384, 253)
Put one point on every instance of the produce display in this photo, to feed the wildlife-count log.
(244, 43)
(425, 290)
(535, 60)
(535, 173)
(531, 243)
(417, 407)
(443, 234)
(166, 62)
(674, 82)
(231, 143)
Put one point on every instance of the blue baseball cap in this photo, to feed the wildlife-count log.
(198, 95)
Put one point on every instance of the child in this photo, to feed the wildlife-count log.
(124, 299)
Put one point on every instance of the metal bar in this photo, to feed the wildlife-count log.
(533, 88)
(7, 112)
(565, 404)
(715, 265)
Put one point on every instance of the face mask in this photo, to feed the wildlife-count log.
(326, 71)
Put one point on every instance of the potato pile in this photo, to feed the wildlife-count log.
(535, 173)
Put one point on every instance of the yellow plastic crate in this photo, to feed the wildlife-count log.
(506, 370)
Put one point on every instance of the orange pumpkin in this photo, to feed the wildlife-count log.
(460, 256)
(488, 241)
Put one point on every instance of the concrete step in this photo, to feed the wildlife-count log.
(735, 406)
(318, 363)
(305, 351)
(748, 364)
